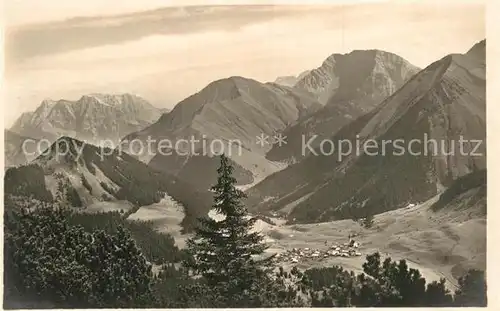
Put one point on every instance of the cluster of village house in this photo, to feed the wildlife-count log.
(344, 250)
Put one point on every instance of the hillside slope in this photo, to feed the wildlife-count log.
(466, 194)
(15, 154)
(93, 118)
(84, 176)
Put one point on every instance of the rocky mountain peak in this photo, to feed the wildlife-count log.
(47, 103)
(219, 92)
(348, 72)
(445, 101)
(478, 50)
(110, 99)
(227, 88)
(291, 80)
(45, 107)
(92, 118)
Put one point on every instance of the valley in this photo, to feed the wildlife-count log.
(387, 98)
(104, 214)
(438, 244)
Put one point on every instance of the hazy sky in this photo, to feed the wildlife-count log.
(167, 54)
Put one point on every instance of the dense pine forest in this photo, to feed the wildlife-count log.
(60, 258)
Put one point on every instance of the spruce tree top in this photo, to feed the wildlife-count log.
(227, 198)
(223, 251)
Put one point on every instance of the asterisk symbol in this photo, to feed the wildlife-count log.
(280, 139)
(262, 139)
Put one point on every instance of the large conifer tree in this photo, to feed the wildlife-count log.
(224, 252)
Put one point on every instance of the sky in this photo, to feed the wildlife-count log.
(164, 53)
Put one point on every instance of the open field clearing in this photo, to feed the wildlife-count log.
(165, 215)
(432, 242)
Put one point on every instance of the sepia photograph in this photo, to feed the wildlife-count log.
(168, 154)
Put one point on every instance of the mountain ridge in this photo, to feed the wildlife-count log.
(441, 100)
(290, 81)
(81, 175)
(346, 95)
(93, 117)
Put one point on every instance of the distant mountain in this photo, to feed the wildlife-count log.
(232, 109)
(200, 170)
(290, 80)
(82, 175)
(93, 118)
(349, 85)
(13, 152)
(445, 101)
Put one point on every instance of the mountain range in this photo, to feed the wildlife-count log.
(358, 96)
(366, 154)
(323, 99)
(233, 109)
(94, 118)
(445, 101)
(290, 81)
